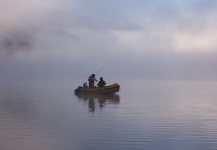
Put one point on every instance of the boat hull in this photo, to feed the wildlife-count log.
(114, 88)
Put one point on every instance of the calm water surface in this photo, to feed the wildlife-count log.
(152, 115)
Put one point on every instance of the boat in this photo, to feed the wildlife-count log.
(114, 88)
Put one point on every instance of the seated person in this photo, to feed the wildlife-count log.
(101, 83)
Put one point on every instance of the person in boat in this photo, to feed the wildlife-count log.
(101, 83)
(91, 80)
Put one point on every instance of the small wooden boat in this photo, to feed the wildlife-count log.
(114, 88)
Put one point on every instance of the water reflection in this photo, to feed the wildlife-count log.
(99, 101)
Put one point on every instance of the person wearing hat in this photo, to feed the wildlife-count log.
(91, 80)
(101, 83)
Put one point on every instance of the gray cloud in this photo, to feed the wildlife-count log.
(147, 40)
(14, 42)
(71, 20)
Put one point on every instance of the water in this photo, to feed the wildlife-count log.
(152, 115)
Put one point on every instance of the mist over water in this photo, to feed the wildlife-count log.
(162, 53)
(167, 40)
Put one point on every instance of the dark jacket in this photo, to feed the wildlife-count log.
(101, 83)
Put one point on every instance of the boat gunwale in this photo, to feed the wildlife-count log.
(114, 88)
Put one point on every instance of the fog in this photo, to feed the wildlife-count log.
(160, 39)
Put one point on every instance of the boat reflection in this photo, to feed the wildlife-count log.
(99, 100)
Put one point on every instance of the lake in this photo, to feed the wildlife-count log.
(145, 114)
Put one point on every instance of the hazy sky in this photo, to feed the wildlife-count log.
(172, 39)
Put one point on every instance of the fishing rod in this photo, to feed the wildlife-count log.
(103, 66)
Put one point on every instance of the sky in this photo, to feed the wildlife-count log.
(144, 39)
